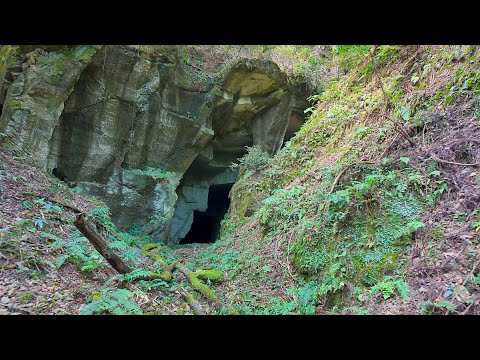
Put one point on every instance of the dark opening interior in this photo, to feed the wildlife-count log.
(296, 121)
(206, 224)
(58, 174)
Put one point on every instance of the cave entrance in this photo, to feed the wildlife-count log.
(206, 224)
(58, 174)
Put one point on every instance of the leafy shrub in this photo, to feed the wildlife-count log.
(255, 159)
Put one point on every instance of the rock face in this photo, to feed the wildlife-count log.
(35, 100)
(145, 133)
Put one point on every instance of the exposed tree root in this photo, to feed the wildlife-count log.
(337, 179)
(400, 129)
(197, 284)
(434, 158)
(194, 305)
(212, 275)
(397, 124)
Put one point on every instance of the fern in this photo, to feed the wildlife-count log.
(358, 311)
(402, 289)
(154, 173)
(388, 287)
(254, 159)
(132, 254)
(137, 273)
(306, 298)
(112, 279)
(90, 266)
(429, 308)
(119, 245)
(113, 301)
(61, 260)
(77, 250)
(447, 305)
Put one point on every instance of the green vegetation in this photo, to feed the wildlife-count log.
(358, 239)
(388, 286)
(206, 64)
(112, 301)
(255, 159)
(6, 54)
(154, 173)
(212, 275)
(14, 105)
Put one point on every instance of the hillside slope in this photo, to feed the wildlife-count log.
(373, 207)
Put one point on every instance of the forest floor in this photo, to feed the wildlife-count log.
(29, 282)
(37, 209)
(442, 261)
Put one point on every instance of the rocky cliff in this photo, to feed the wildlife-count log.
(146, 132)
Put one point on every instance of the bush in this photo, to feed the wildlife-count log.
(254, 159)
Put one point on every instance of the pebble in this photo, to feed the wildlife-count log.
(5, 300)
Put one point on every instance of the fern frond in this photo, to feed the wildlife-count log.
(132, 254)
(137, 273)
(61, 260)
(120, 245)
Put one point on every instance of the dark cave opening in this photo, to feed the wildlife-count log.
(297, 119)
(58, 174)
(206, 224)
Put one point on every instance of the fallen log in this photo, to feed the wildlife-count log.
(101, 245)
(113, 259)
